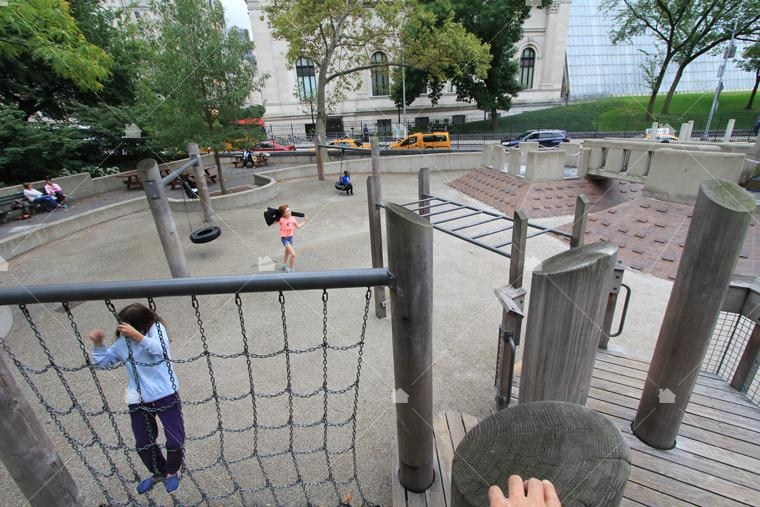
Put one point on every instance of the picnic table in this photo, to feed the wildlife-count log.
(132, 180)
(258, 160)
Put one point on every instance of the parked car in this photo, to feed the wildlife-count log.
(546, 138)
(661, 135)
(423, 140)
(348, 142)
(272, 145)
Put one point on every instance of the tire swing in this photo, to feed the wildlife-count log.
(204, 234)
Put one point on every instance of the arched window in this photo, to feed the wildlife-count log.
(380, 82)
(527, 67)
(307, 83)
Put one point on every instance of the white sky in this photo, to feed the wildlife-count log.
(236, 14)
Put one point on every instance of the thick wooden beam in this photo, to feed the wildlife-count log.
(200, 181)
(376, 239)
(162, 216)
(410, 259)
(721, 217)
(423, 189)
(582, 206)
(27, 452)
(749, 358)
(568, 293)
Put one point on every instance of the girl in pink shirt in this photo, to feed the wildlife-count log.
(288, 225)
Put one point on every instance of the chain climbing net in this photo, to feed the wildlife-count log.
(266, 422)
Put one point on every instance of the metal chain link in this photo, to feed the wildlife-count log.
(256, 427)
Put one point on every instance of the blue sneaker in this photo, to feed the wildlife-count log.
(171, 483)
(146, 485)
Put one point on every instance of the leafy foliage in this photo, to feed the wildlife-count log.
(42, 37)
(340, 36)
(197, 79)
(751, 63)
(685, 29)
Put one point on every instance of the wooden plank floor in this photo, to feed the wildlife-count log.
(716, 460)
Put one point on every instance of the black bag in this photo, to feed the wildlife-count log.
(18, 204)
(272, 215)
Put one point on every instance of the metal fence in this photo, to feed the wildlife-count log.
(266, 423)
(727, 350)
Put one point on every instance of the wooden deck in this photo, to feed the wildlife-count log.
(716, 460)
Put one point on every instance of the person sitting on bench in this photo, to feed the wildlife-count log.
(38, 197)
(247, 157)
(344, 184)
(54, 190)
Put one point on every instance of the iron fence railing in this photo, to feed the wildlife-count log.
(727, 350)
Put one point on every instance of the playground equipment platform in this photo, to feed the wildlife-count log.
(715, 461)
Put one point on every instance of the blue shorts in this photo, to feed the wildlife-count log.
(287, 241)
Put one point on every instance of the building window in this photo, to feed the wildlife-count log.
(384, 127)
(307, 83)
(527, 68)
(380, 81)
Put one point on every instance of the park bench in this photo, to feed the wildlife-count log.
(132, 180)
(258, 160)
(16, 204)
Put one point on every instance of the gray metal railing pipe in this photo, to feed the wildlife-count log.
(136, 289)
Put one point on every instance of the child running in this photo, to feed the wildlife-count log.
(142, 346)
(288, 225)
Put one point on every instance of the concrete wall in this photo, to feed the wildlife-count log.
(24, 241)
(493, 157)
(675, 175)
(545, 165)
(82, 185)
(265, 190)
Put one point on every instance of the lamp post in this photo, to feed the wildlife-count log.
(728, 53)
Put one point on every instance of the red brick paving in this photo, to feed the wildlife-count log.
(649, 233)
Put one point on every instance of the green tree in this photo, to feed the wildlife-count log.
(340, 36)
(44, 55)
(198, 78)
(714, 26)
(501, 25)
(751, 63)
(685, 29)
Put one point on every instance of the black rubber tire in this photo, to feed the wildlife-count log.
(206, 234)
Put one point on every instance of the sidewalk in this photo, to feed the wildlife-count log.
(234, 177)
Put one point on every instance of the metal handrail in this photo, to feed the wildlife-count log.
(135, 289)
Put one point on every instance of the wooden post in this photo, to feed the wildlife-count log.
(162, 216)
(721, 216)
(376, 239)
(27, 452)
(410, 259)
(519, 246)
(200, 182)
(375, 156)
(582, 206)
(511, 321)
(568, 293)
(750, 356)
(423, 187)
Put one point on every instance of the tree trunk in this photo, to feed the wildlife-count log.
(321, 126)
(669, 98)
(219, 172)
(754, 91)
(494, 120)
(656, 87)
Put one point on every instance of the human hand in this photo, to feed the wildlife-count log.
(97, 336)
(127, 330)
(539, 494)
